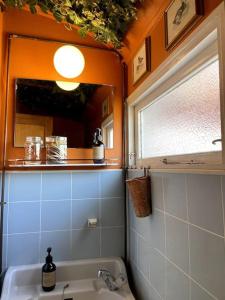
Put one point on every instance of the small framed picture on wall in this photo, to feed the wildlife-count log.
(105, 108)
(180, 17)
(142, 60)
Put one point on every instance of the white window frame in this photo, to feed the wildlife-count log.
(204, 43)
(105, 124)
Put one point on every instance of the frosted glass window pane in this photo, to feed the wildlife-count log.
(185, 120)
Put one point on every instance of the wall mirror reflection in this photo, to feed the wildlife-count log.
(49, 108)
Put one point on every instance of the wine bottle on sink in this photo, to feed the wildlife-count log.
(98, 147)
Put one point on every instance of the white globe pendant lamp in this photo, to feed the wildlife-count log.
(69, 61)
(67, 86)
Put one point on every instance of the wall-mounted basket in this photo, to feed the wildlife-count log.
(140, 194)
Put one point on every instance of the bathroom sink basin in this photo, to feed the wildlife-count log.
(76, 280)
(98, 296)
(90, 295)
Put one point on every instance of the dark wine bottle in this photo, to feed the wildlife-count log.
(48, 273)
(98, 148)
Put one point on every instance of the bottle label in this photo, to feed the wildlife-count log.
(98, 152)
(49, 279)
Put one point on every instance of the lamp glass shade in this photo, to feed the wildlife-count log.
(69, 61)
(67, 86)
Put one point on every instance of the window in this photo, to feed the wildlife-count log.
(107, 131)
(175, 115)
(185, 119)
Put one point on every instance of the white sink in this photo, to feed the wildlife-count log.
(23, 282)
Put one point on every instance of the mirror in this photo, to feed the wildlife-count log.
(43, 108)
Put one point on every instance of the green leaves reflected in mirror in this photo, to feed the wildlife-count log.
(44, 109)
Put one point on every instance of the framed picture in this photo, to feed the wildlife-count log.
(142, 60)
(105, 107)
(180, 17)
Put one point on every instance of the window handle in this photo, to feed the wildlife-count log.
(191, 162)
(216, 141)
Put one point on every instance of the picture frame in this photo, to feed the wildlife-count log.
(105, 107)
(180, 17)
(142, 60)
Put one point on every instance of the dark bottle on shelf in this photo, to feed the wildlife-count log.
(98, 147)
(48, 273)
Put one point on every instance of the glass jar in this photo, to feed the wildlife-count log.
(32, 149)
(56, 149)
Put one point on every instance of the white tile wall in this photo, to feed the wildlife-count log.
(51, 209)
(178, 253)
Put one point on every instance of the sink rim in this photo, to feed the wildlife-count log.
(14, 274)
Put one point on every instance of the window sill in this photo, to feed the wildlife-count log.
(182, 170)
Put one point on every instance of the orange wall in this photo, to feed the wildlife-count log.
(31, 58)
(1, 45)
(102, 68)
(2, 89)
(151, 23)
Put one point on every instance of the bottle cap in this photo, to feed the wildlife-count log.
(99, 131)
(99, 134)
(49, 257)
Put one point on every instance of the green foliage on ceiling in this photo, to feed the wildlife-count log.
(107, 20)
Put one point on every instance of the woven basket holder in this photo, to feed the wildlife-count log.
(140, 194)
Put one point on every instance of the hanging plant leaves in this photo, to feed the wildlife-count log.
(108, 21)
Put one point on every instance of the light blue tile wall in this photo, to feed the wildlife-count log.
(51, 209)
(178, 253)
